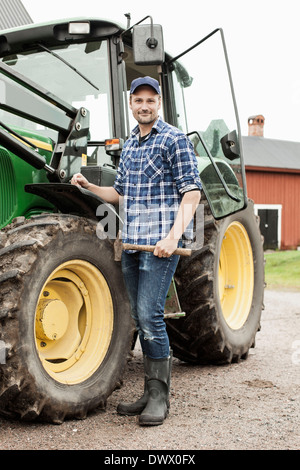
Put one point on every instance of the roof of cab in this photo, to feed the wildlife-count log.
(53, 33)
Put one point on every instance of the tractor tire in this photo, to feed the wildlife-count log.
(221, 290)
(64, 319)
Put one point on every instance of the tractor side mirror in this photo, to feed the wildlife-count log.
(148, 44)
(230, 145)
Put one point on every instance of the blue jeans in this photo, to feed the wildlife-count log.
(147, 279)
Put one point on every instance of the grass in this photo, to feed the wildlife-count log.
(282, 270)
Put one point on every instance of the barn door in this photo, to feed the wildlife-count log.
(269, 227)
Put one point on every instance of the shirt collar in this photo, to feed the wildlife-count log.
(157, 126)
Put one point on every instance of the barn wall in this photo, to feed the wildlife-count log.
(265, 186)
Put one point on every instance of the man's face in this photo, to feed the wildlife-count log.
(145, 103)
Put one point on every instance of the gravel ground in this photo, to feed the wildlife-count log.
(253, 405)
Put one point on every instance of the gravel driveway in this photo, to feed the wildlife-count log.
(251, 405)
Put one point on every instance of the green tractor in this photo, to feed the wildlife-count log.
(66, 328)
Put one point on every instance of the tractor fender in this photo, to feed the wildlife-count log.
(70, 199)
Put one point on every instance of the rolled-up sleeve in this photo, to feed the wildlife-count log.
(184, 164)
(118, 184)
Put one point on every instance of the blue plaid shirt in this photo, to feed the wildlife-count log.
(152, 176)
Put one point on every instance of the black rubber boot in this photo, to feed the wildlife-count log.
(158, 385)
(133, 409)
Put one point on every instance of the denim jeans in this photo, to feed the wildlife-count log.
(147, 279)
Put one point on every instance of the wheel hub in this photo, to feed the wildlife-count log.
(52, 319)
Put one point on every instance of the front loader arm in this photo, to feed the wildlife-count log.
(24, 98)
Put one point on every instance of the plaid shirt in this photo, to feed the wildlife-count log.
(152, 176)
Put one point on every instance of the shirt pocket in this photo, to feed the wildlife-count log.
(154, 168)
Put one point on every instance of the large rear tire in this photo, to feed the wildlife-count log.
(65, 319)
(221, 289)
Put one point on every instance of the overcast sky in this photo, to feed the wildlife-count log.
(262, 36)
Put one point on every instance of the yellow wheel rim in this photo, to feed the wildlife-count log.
(236, 275)
(73, 322)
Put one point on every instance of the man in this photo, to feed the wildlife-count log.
(160, 184)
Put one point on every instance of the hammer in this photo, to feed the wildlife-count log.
(119, 246)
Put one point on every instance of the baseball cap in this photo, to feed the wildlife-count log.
(145, 81)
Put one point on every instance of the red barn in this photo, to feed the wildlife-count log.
(273, 182)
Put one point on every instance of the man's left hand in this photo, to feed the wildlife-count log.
(165, 248)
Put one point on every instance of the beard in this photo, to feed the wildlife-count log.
(146, 118)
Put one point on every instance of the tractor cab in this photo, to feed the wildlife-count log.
(88, 65)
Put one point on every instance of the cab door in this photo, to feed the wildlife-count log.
(202, 103)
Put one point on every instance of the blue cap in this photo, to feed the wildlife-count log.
(145, 81)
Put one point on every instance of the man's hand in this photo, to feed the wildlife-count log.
(107, 193)
(80, 181)
(165, 248)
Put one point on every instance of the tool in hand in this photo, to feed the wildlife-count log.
(119, 247)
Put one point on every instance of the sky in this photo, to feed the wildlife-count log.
(262, 37)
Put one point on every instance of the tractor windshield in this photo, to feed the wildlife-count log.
(76, 73)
